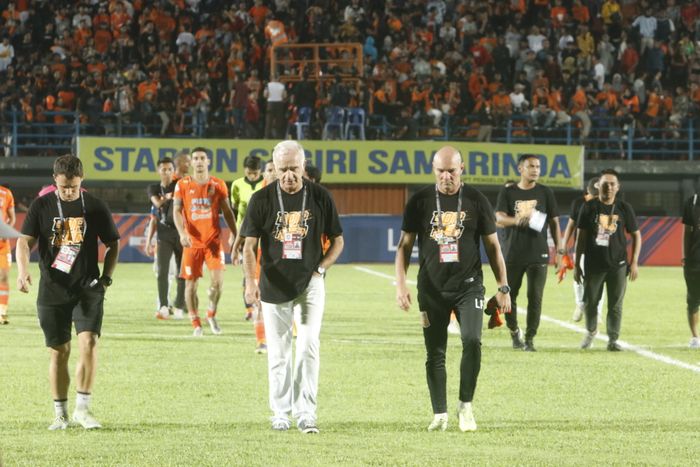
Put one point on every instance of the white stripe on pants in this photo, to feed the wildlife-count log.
(306, 310)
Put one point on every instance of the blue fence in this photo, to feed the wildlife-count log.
(609, 138)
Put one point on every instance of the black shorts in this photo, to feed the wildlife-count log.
(692, 284)
(86, 311)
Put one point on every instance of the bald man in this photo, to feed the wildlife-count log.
(448, 219)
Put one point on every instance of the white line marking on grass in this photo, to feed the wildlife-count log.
(381, 274)
(572, 327)
(625, 345)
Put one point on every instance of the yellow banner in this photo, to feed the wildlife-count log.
(135, 159)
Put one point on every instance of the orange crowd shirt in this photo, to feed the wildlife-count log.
(201, 205)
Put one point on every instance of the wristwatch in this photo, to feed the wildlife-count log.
(106, 280)
(504, 289)
(321, 270)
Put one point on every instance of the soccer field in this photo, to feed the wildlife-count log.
(166, 398)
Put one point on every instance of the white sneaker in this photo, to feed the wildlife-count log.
(439, 423)
(587, 342)
(280, 424)
(61, 423)
(307, 426)
(85, 419)
(694, 343)
(466, 417)
(163, 313)
(453, 328)
(578, 313)
(215, 329)
(197, 332)
(178, 313)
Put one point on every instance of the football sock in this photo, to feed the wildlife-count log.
(82, 400)
(4, 298)
(211, 313)
(260, 331)
(60, 407)
(194, 317)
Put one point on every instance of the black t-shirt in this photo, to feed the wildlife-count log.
(420, 217)
(691, 218)
(575, 210)
(597, 218)
(166, 222)
(524, 245)
(83, 228)
(282, 279)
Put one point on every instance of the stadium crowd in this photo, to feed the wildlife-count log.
(202, 66)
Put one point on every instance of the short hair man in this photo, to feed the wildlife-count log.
(161, 197)
(448, 219)
(66, 227)
(7, 215)
(691, 264)
(198, 200)
(601, 238)
(289, 217)
(570, 234)
(242, 190)
(525, 209)
(183, 162)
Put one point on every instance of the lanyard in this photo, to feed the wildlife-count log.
(458, 223)
(302, 220)
(82, 204)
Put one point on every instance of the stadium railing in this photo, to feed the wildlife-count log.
(608, 138)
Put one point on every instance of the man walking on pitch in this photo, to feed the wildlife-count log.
(570, 234)
(7, 215)
(601, 238)
(691, 264)
(198, 200)
(242, 190)
(448, 219)
(161, 196)
(289, 217)
(526, 209)
(66, 226)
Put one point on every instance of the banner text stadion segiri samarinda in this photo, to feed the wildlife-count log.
(382, 162)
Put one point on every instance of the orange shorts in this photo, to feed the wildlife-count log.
(194, 258)
(5, 254)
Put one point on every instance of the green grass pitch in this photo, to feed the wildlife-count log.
(166, 398)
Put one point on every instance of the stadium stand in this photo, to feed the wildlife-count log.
(621, 77)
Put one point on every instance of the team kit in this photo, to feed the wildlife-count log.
(286, 234)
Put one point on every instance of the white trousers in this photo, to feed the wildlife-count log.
(294, 391)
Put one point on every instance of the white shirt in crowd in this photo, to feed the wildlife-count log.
(275, 91)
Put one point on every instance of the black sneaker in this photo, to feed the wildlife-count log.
(614, 347)
(517, 339)
(529, 346)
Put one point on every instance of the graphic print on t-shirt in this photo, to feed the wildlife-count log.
(67, 231)
(291, 224)
(606, 224)
(450, 227)
(200, 208)
(524, 208)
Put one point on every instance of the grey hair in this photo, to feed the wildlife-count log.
(288, 147)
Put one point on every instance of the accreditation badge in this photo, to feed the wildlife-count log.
(291, 246)
(65, 259)
(449, 251)
(603, 238)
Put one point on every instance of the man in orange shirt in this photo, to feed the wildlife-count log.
(198, 200)
(7, 215)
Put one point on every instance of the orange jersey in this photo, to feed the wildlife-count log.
(201, 204)
(7, 202)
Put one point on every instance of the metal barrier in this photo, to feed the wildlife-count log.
(608, 139)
